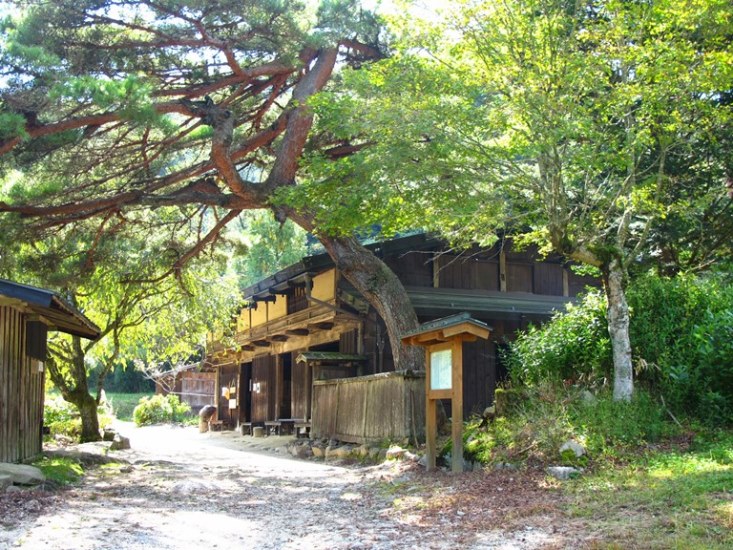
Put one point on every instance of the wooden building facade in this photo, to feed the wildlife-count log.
(26, 315)
(306, 323)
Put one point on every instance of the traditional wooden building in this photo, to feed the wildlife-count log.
(26, 315)
(306, 326)
(194, 383)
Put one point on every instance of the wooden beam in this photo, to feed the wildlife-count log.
(279, 338)
(322, 326)
(297, 332)
(261, 343)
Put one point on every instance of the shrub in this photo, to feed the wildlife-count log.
(681, 334)
(61, 417)
(574, 344)
(160, 409)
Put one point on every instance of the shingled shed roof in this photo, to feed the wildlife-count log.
(443, 330)
(50, 308)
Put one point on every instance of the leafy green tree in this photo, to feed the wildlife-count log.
(567, 124)
(118, 280)
(113, 106)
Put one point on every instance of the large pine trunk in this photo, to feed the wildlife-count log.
(383, 290)
(618, 330)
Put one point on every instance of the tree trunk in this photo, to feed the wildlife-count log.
(383, 290)
(74, 388)
(618, 330)
(87, 406)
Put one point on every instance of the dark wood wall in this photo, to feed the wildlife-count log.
(301, 389)
(21, 391)
(479, 376)
(264, 401)
(228, 377)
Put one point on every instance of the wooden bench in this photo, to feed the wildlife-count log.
(215, 425)
(246, 428)
(272, 427)
(302, 427)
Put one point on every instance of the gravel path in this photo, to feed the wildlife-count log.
(177, 488)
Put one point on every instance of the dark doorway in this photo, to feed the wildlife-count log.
(245, 392)
(286, 383)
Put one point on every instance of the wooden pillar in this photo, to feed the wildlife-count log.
(431, 422)
(457, 404)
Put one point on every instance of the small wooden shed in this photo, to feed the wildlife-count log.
(26, 315)
(194, 384)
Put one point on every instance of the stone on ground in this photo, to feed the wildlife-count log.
(22, 474)
(563, 472)
(572, 445)
(120, 443)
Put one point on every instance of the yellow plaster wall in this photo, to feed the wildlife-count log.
(279, 308)
(243, 320)
(259, 315)
(324, 285)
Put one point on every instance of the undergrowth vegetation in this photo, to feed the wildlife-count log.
(540, 419)
(60, 470)
(62, 418)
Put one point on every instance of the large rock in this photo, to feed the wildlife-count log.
(22, 474)
(338, 452)
(120, 443)
(563, 472)
(318, 452)
(109, 434)
(572, 445)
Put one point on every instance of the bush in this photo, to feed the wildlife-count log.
(573, 345)
(61, 417)
(160, 409)
(681, 334)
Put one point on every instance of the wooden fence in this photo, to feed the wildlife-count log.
(369, 409)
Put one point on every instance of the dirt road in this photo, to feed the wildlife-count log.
(177, 488)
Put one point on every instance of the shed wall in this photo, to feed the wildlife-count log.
(21, 391)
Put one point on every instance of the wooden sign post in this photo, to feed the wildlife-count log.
(443, 342)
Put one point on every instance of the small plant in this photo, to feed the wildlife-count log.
(61, 417)
(160, 409)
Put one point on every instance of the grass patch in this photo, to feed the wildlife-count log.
(665, 499)
(124, 403)
(61, 471)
